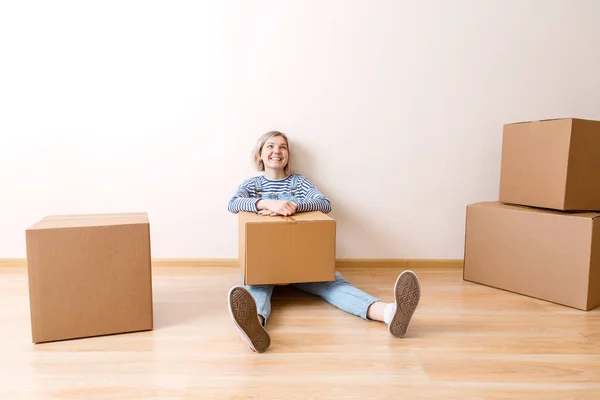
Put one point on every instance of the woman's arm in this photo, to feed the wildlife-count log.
(312, 199)
(242, 200)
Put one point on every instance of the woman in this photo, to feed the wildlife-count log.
(280, 192)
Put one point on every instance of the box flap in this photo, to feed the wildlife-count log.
(89, 220)
(516, 207)
(551, 119)
(105, 215)
(539, 120)
(312, 216)
(249, 217)
(300, 217)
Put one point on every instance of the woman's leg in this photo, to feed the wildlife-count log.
(262, 296)
(250, 308)
(343, 295)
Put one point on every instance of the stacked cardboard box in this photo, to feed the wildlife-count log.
(542, 238)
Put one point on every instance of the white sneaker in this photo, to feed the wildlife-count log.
(242, 309)
(407, 293)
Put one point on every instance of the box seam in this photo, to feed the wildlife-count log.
(589, 292)
(564, 200)
(465, 239)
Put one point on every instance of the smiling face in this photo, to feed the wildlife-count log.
(274, 153)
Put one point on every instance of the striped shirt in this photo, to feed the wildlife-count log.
(308, 196)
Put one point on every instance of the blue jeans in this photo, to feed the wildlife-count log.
(339, 293)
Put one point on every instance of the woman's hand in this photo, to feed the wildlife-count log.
(267, 213)
(281, 207)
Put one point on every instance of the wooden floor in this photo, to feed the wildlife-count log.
(466, 342)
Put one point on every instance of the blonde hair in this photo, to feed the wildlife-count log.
(258, 162)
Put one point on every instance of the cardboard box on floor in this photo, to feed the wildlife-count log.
(283, 250)
(552, 164)
(89, 275)
(546, 254)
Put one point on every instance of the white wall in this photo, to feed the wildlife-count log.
(395, 109)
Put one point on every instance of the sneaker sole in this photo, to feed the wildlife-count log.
(407, 293)
(242, 308)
